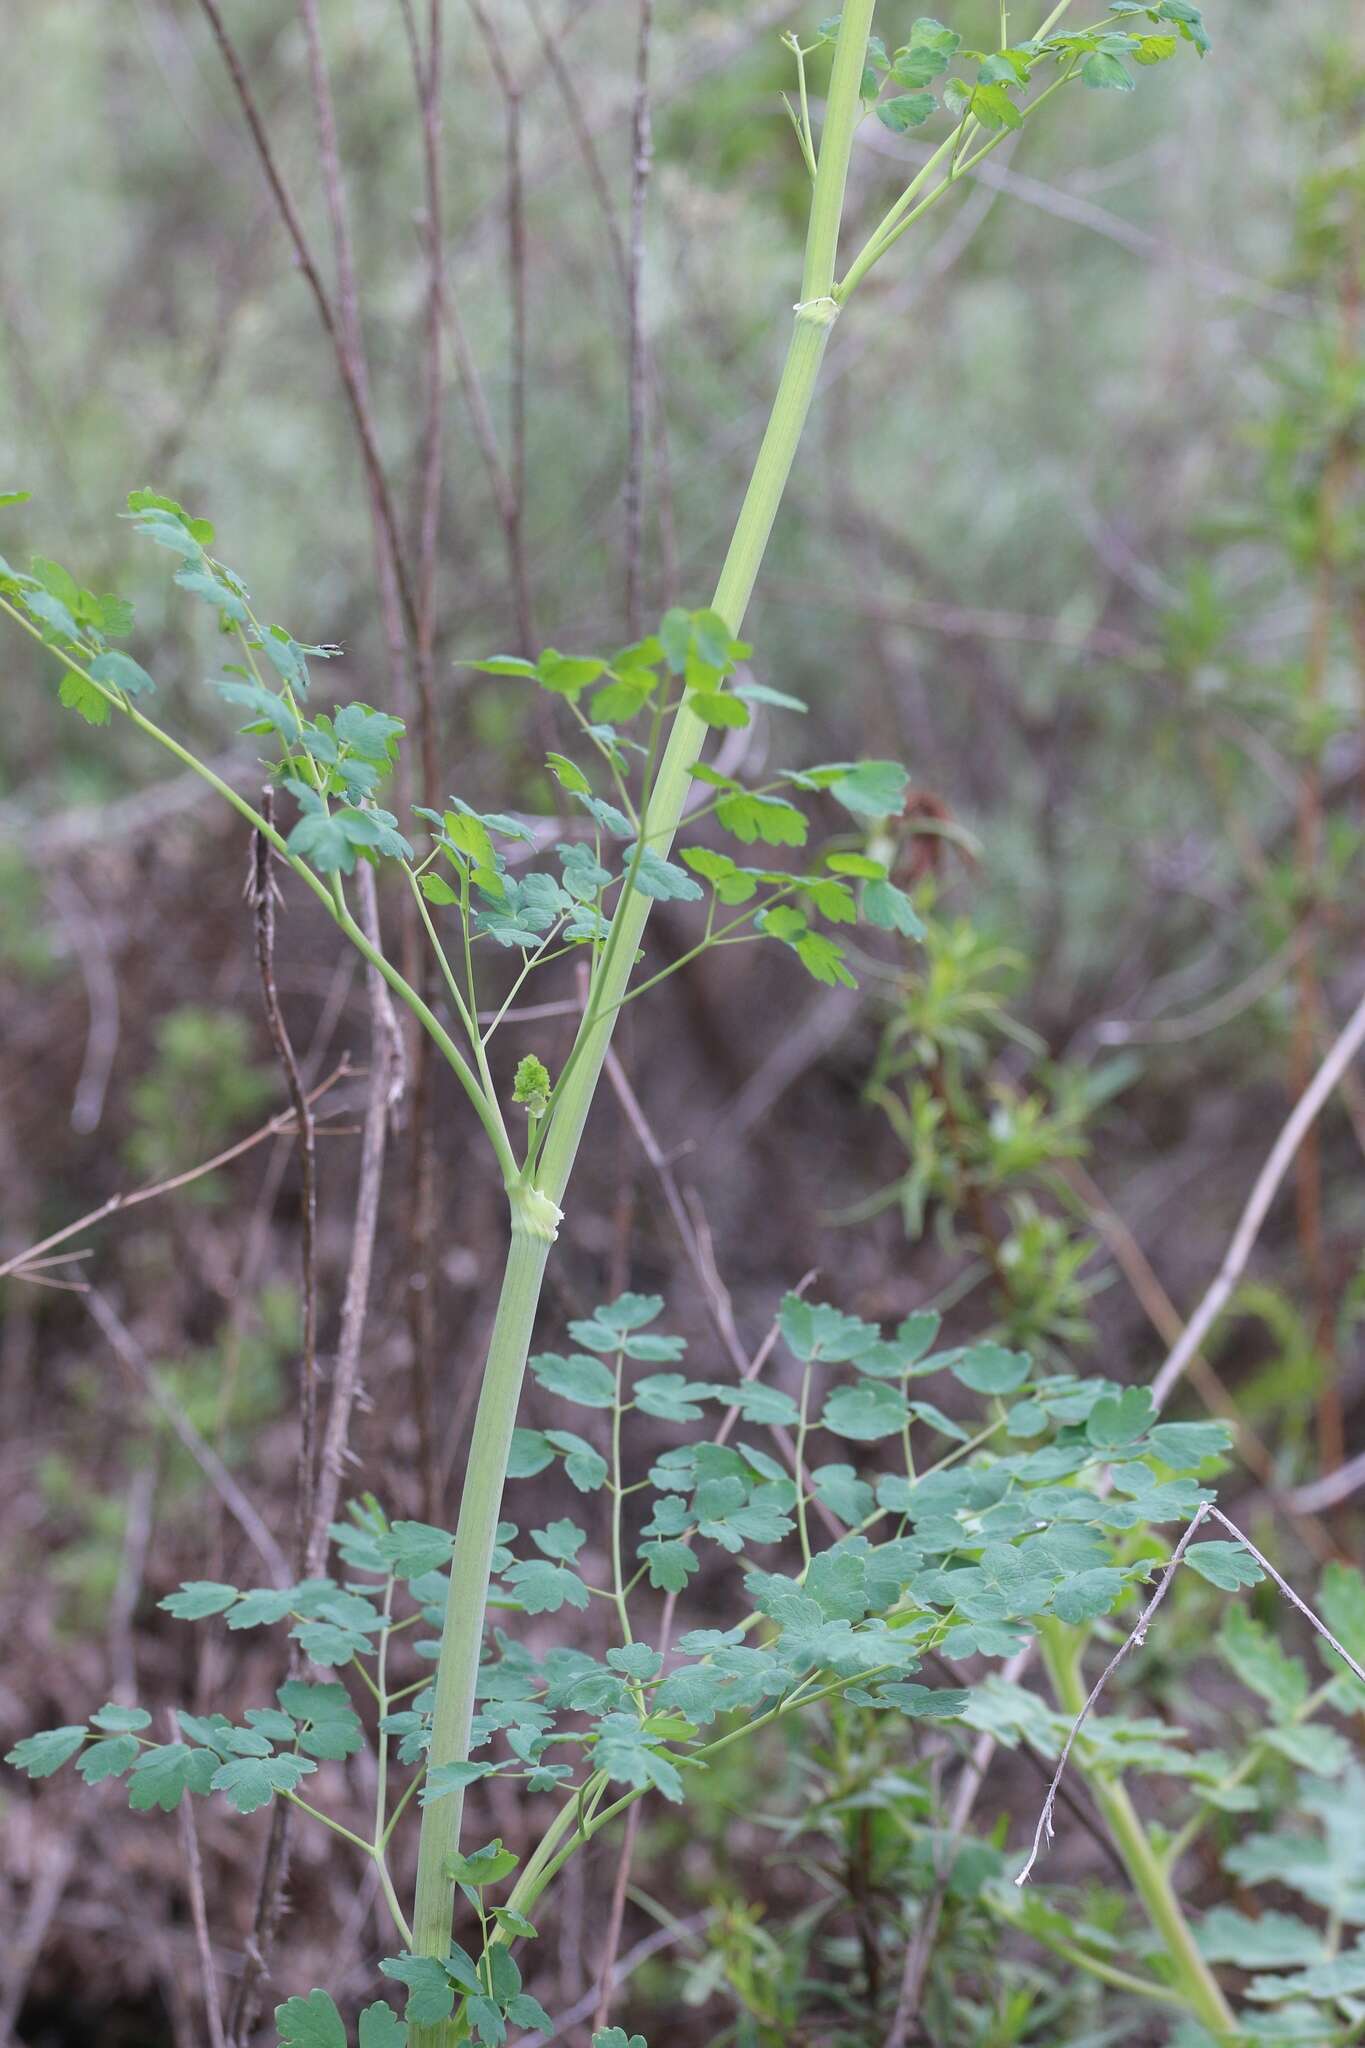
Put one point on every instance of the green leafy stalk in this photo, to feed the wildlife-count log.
(536, 1211)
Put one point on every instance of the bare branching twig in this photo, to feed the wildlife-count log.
(1206, 1512)
(1136, 1635)
(281, 1126)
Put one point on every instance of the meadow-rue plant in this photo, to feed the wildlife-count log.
(860, 1582)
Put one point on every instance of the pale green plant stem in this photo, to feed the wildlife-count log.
(802, 1430)
(534, 1220)
(468, 1012)
(381, 1787)
(618, 780)
(801, 122)
(617, 1497)
(908, 1448)
(471, 982)
(506, 1362)
(531, 962)
(442, 957)
(1149, 1875)
(462, 1636)
(402, 1803)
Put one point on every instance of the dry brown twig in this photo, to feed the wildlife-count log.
(642, 152)
(1138, 1634)
(678, 1931)
(645, 410)
(1264, 1189)
(1331, 1489)
(407, 617)
(386, 1077)
(428, 84)
(91, 951)
(610, 1974)
(281, 1126)
(514, 204)
(194, 1876)
(263, 895)
(399, 613)
(691, 1229)
(1166, 1320)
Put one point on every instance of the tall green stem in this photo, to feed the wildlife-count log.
(1149, 1875)
(462, 1638)
(535, 1211)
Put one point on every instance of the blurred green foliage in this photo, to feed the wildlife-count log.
(204, 1088)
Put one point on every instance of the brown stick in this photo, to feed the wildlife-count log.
(638, 370)
(608, 1976)
(509, 86)
(402, 615)
(639, 357)
(385, 1078)
(1264, 1189)
(1217, 1515)
(263, 906)
(1308, 853)
(1166, 1320)
(714, 1292)
(430, 107)
(194, 1878)
(26, 1942)
(611, 1946)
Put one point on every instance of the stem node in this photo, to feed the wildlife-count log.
(534, 1214)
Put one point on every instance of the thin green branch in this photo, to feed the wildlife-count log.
(886, 237)
(1107, 1973)
(802, 1429)
(381, 1793)
(335, 910)
(493, 1120)
(617, 1573)
(404, 1799)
